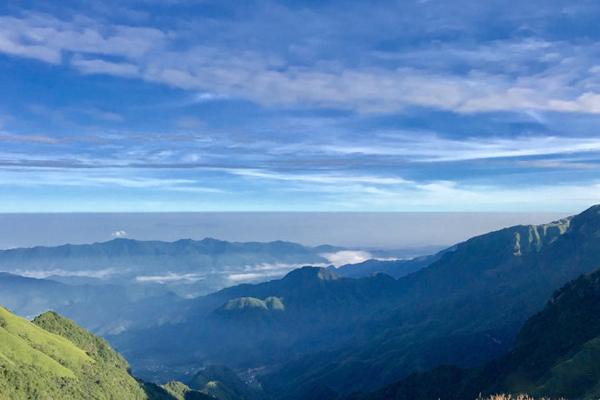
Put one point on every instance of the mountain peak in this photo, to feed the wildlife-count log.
(588, 222)
(312, 273)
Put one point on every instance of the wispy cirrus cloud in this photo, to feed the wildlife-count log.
(348, 105)
(428, 147)
(319, 178)
(41, 139)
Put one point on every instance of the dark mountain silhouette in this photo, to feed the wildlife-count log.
(342, 335)
(555, 355)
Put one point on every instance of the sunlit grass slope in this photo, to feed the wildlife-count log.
(53, 358)
(36, 363)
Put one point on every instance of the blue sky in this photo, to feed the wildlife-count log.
(193, 105)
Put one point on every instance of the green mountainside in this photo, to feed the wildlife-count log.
(223, 383)
(53, 358)
(556, 355)
(310, 309)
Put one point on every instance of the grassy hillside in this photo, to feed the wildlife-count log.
(53, 358)
(222, 383)
(36, 363)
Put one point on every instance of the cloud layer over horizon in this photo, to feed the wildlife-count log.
(196, 105)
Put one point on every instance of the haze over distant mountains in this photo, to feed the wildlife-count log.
(382, 230)
(136, 280)
(463, 309)
(315, 333)
(208, 265)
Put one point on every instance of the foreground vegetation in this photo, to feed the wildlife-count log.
(53, 358)
(519, 397)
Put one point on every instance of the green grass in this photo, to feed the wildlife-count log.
(519, 397)
(24, 342)
(38, 364)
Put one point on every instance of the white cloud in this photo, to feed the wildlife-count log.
(98, 274)
(262, 272)
(251, 277)
(429, 147)
(347, 257)
(207, 96)
(99, 66)
(454, 196)
(119, 234)
(171, 277)
(500, 77)
(5, 137)
(318, 178)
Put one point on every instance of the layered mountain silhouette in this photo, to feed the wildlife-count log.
(339, 335)
(189, 267)
(555, 355)
(317, 334)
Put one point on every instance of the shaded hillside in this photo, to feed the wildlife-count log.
(339, 335)
(29, 297)
(157, 255)
(374, 329)
(555, 355)
(249, 325)
(54, 358)
(464, 309)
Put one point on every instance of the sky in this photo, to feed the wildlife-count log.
(387, 106)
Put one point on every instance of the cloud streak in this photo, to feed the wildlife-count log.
(427, 147)
(270, 105)
(564, 79)
(96, 274)
(171, 278)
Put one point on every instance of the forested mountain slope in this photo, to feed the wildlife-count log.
(344, 335)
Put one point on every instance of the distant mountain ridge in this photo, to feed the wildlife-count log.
(132, 253)
(360, 334)
(141, 277)
(187, 267)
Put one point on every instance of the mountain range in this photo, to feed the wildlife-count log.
(350, 335)
(476, 316)
(187, 267)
